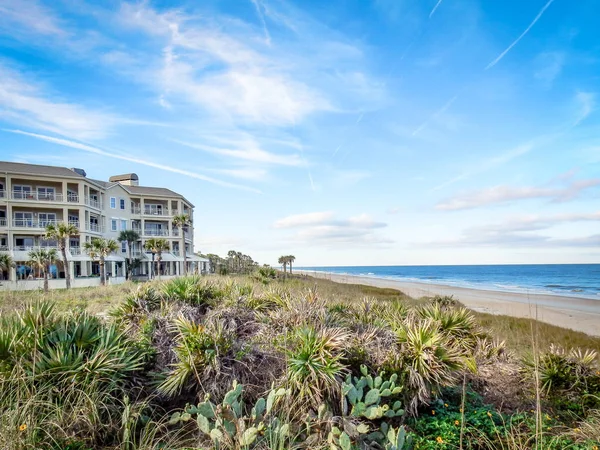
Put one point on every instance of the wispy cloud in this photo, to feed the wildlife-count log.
(524, 232)
(516, 41)
(506, 194)
(111, 154)
(21, 17)
(323, 228)
(586, 102)
(258, 5)
(24, 102)
(247, 149)
(435, 115)
(434, 8)
(549, 66)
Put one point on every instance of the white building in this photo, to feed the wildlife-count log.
(33, 196)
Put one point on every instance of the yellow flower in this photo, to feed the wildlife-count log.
(549, 428)
(439, 440)
(456, 422)
(576, 430)
(23, 427)
(595, 447)
(548, 417)
(489, 414)
(461, 410)
(445, 405)
(432, 412)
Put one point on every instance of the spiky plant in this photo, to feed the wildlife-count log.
(156, 246)
(425, 358)
(315, 367)
(181, 222)
(458, 324)
(193, 290)
(198, 349)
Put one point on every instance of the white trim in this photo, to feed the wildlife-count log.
(110, 203)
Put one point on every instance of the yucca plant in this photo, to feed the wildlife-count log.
(425, 359)
(458, 324)
(315, 367)
(198, 349)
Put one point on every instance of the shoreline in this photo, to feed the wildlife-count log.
(575, 313)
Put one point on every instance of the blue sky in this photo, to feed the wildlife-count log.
(343, 132)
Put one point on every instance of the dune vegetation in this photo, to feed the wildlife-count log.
(259, 362)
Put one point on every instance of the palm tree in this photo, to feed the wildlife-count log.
(129, 236)
(181, 222)
(99, 249)
(62, 232)
(6, 263)
(290, 260)
(283, 261)
(42, 260)
(156, 246)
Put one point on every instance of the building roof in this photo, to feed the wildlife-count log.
(124, 177)
(37, 169)
(56, 171)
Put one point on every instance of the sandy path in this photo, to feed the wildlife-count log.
(567, 312)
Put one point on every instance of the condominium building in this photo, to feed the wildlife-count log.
(33, 196)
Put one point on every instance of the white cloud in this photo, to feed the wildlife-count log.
(26, 103)
(521, 36)
(137, 160)
(550, 65)
(507, 194)
(20, 17)
(297, 220)
(586, 102)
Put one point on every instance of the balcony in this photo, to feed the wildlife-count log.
(31, 223)
(3, 222)
(149, 211)
(30, 248)
(94, 227)
(75, 251)
(93, 203)
(3, 193)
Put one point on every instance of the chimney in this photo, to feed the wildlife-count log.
(79, 171)
(127, 179)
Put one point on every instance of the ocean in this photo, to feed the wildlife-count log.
(574, 280)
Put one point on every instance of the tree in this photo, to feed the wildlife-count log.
(6, 263)
(129, 236)
(99, 248)
(290, 260)
(156, 246)
(181, 222)
(62, 232)
(42, 260)
(283, 261)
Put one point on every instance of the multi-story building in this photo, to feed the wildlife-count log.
(33, 196)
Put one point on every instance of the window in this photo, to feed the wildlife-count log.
(113, 202)
(46, 219)
(122, 203)
(124, 247)
(23, 219)
(45, 193)
(123, 224)
(21, 191)
(113, 224)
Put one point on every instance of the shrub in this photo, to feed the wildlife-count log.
(193, 290)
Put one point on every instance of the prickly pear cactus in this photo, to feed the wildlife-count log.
(367, 397)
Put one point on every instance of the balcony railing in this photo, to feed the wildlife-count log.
(2, 193)
(136, 210)
(3, 222)
(29, 248)
(94, 227)
(93, 203)
(75, 250)
(156, 211)
(31, 223)
(37, 196)
(155, 232)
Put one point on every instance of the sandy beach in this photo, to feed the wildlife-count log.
(568, 312)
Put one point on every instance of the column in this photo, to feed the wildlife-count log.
(64, 191)
(81, 194)
(84, 268)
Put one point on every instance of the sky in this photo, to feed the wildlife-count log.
(347, 132)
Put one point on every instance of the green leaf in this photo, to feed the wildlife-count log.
(175, 417)
(207, 409)
(374, 412)
(364, 370)
(373, 396)
(363, 428)
(352, 395)
(260, 407)
(203, 424)
(386, 393)
(377, 382)
(216, 435)
(249, 436)
(397, 405)
(233, 395)
(345, 442)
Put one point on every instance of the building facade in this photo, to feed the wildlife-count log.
(33, 196)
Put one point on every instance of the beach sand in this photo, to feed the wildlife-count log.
(568, 312)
